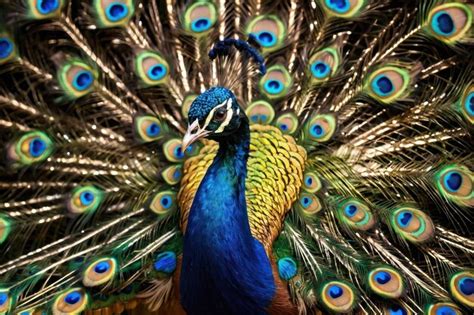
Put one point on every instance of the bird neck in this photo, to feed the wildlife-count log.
(234, 152)
(225, 270)
(219, 204)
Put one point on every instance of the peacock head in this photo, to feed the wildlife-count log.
(215, 114)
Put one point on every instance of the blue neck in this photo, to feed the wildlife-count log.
(225, 270)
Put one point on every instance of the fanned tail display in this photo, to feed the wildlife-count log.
(236, 157)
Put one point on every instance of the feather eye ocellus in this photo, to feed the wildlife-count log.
(287, 123)
(461, 286)
(442, 308)
(311, 182)
(260, 112)
(30, 311)
(172, 174)
(386, 282)
(163, 203)
(200, 17)
(320, 128)
(5, 228)
(455, 182)
(412, 224)
(276, 83)
(76, 78)
(309, 204)
(355, 214)
(172, 150)
(148, 128)
(70, 301)
(44, 9)
(338, 296)
(151, 68)
(7, 48)
(84, 199)
(32, 147)
(5, 301)
(323, 65)
(449, 22)
(165, 262)
(287, 268)
(388, 83)
(466, 104)
(99, 272)
(396, 309)
(343, 8)
(269, 32)
(113, 13)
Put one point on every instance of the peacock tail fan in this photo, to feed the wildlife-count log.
(360, 172)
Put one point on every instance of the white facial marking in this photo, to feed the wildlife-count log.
(211, 114)
(228, 118)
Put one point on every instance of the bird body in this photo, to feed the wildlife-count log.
(236, 157)
(220, 255)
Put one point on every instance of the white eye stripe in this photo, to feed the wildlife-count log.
(224, 124)
(228, 117)
(228, 104)
(211, 113)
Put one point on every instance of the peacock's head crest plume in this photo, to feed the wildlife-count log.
(215, 113)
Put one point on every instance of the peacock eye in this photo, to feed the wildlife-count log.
(466, 103)
(388, 83)
(449, 22)
(461, 286)
(276, 83)
(219, 115)
(200, 17)
(338, 297)
(151, 68)
(269, 31)
(386, 282)
(32, 147)
(343, 8)
(442, 308)
(260, 112)
(76, 78)
(5, 301)
(455, 183)
(323, 65)
(99, 272)
(165, 262)
(148, 128)
(7, 48)
(43, 9)
(412, 224)
(84, 199)
(72, 301)
(113, 13)
(395, 309)
(163, 203)
(355, 214)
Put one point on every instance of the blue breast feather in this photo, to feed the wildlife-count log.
(225, 270)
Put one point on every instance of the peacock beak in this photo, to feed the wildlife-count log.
(193, 134)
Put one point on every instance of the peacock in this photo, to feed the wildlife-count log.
(236, 157)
